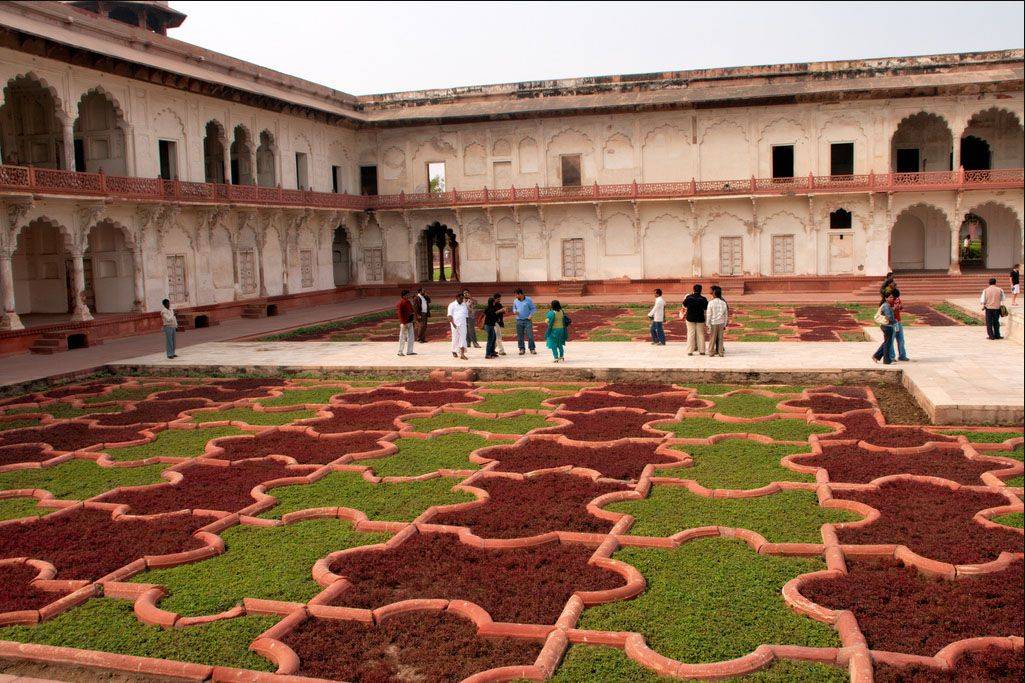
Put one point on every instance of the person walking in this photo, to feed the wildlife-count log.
(717, 318)
(657, 315)
(556, 334)
(524, 308)
(457, 314)
(406, 315)
(992, 301)
(694, 313)
(887, 287)
(884, 318)
(170, 324)
(1015, 284)
(471, 320)
(422, 310)
(898, 326)
(500, 325)
(493, 312)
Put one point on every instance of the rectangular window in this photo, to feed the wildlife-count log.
(908, 161)
(247, 271)
(571, 176)
(782, 161)
(337, 180)
(782, 254)
(368, 180)
(841, 158)
(79, 155)
(436, 176)
(306, 268)
(177, 286)
(168, 152)
(302, 171)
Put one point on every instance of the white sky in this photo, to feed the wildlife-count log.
(363, 47)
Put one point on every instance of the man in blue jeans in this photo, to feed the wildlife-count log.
(524, 308)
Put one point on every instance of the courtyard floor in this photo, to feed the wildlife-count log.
(373, 529)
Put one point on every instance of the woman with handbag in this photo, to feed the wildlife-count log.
(557, 332)
(885, 319)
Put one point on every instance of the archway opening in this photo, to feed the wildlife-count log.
(971, 240)
(993, 234)
(110, 270)
(341, 256)
(241, 157)
(922, 143)
(213, 152)
(975, 154)
(42, 274)
(266, 174)
(99, 136)
(993, 138)
(920, 240)
(31, 132)
(438, 254)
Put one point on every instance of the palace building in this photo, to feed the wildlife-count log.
(137, 167)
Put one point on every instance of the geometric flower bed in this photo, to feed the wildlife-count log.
(629, 322)
(440, 529)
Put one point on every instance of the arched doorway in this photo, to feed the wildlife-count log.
(920, 240)
(341, 256)
(110, 270)
(242, 157)
(993, 138)
(32, 125)
(971, 242)
(438, 254)
(213, 152)
(922, 143)
(42, 273)
(266, 173)
(99, 136)
(994, 234)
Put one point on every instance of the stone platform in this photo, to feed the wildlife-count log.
(956, 373)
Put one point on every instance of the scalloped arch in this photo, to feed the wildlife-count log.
(58, 103)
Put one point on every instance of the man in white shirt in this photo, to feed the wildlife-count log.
(170, 324)
(457, 315)
(657, 314)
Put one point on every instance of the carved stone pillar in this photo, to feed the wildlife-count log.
(955, 251)
(68, 147)
(9, 319)
(138, 282)
(695, 250)
(81, 312)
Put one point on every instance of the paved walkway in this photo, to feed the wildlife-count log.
(27, 367)
(958, 375)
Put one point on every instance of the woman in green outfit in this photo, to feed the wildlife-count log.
(555, 336)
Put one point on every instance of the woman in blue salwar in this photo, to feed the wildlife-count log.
(555, 336)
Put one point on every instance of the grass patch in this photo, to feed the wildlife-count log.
(295, 397)
(784, 517)
(251, 417)
(852, 336)
(1016, 482)
(711, 600)
(759, 337)
(174, 443)
(981, 437)
(713, 389)
(108, 625)
(957, 314)
(399, 502)
(608, 336)
(746, 405)
(780, 388)
(18, 424)
(64, 411)
(632, 325)
(739, 464)
(129, 393)
(762, 325)
(1015, 519)
(560, 388)
(517, 399)
(16, 508)
(325, 328)
(764, 312)
(80, 479)
(200, 588)
(521, 424)
(784, 429)
(419, 456)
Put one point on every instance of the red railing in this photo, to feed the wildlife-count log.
(71, 183)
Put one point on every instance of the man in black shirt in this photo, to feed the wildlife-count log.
(1015, 284)
(695, 305)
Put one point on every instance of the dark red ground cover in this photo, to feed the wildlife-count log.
(355, 417)
(212, 392)
(414, 646)
(933, 521)
(78, 389)
(605, 425)
(929, 316)
(863, 427)
(304, 448)
(991, 664)
(432, 385)
(436, 331)
(552, 502)
(522, 585)
(149, 412)
(823, 404)
(902, 610)
(245, 383)
(622, 461)
(662, 403)
(582, 320)
(849, 392)
(205, 487)
(427, 399)
(17, 594)
(849, 463)
(15, 454)
(69, 436)
(637, 388)
(88, 544)
(818, 334)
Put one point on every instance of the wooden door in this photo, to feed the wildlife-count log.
(573, 259)
(731, 255)
(782, 254)
(508, 263)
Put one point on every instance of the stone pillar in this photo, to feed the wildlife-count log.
(68, 147)
(9, 319)
(454, 248)
(138, 283)
(81, 312)
(441, 258)
(695, 251)
(955, 251)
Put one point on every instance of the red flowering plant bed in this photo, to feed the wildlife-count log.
(500, 554)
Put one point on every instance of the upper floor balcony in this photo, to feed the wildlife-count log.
(58, 183)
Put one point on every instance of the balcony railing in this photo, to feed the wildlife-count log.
(52, 182)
